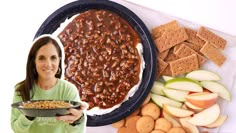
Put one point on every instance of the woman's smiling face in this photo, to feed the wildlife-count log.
(47, 61)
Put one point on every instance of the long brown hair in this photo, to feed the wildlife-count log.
(25, 87)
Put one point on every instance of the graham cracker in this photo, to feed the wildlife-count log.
(176, 47)
(213, 54)
(170, 39)
(160, 67)
(191, 45)
(159, 30)
(212, 38)
(194, 46)
(184, 51)
(171, 56)
(167, 71)
(164, 54)
(184, 65)
(193, 38)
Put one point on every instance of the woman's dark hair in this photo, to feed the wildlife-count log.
(25, 87)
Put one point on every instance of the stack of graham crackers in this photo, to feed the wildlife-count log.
(182, 50)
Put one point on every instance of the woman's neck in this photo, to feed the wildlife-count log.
(46, 84)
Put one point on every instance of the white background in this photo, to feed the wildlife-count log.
(20, 21)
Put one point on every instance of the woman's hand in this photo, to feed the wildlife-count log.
(74, 114)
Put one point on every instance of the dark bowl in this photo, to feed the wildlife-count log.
(149, 52)
(44, 112)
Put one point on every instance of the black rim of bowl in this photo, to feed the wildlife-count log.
(149, 52)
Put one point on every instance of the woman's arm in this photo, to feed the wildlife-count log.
(19, 122)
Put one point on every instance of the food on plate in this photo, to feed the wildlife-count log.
(176, 111)
(159, 30)
(203, 75)
(177, 95)
(170, 39)
(163, 124)
(160, 66)
(212, 38)
(189, 128)
(171, 119)
(160, 100)
(218, 88)
(194, 40)
(118, 124)
(145, 124)
(185, 50)
(157, 88)
(123, 130)
(151, 109)
(103, 58)
(175, 42)
(185, 84)
(130, 123)
(147, 99)
(193, 107)
(202, 99)
(186, 93)
(46, 104)
(206, 116)
(213, 54)
(220, 121)
(190, 112)
(184, 65)
(176, 130)
(157, 131)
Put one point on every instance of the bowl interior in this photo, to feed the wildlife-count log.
(44, 112)
(149, 52)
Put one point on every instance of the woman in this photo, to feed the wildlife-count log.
(43, 73)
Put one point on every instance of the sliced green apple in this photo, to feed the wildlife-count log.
(177, 111)
(217, 88)
(185, 84)
(157, 88)
(220, 121)
(202, 99)
(203, 75)
(177, 95)
(206, 116)
(193, 107)
(171, 119)
(190, 128)
(166, 78)
(160, 100)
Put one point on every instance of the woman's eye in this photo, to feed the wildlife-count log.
(41, 58)
(53, 58)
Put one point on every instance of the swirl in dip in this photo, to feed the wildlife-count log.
(103, 58)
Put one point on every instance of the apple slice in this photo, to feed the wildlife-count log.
(177, 95)
(202, 75)
(187, 126)
(184, 107)
(174, 122)
(166, 78)
(202, 99)
(157, 88)
(206, 116)
(204, 90)
(193, 107)
(160, 100)
(184, 84)
(176, 111)
(220, 120)
(217, 88)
